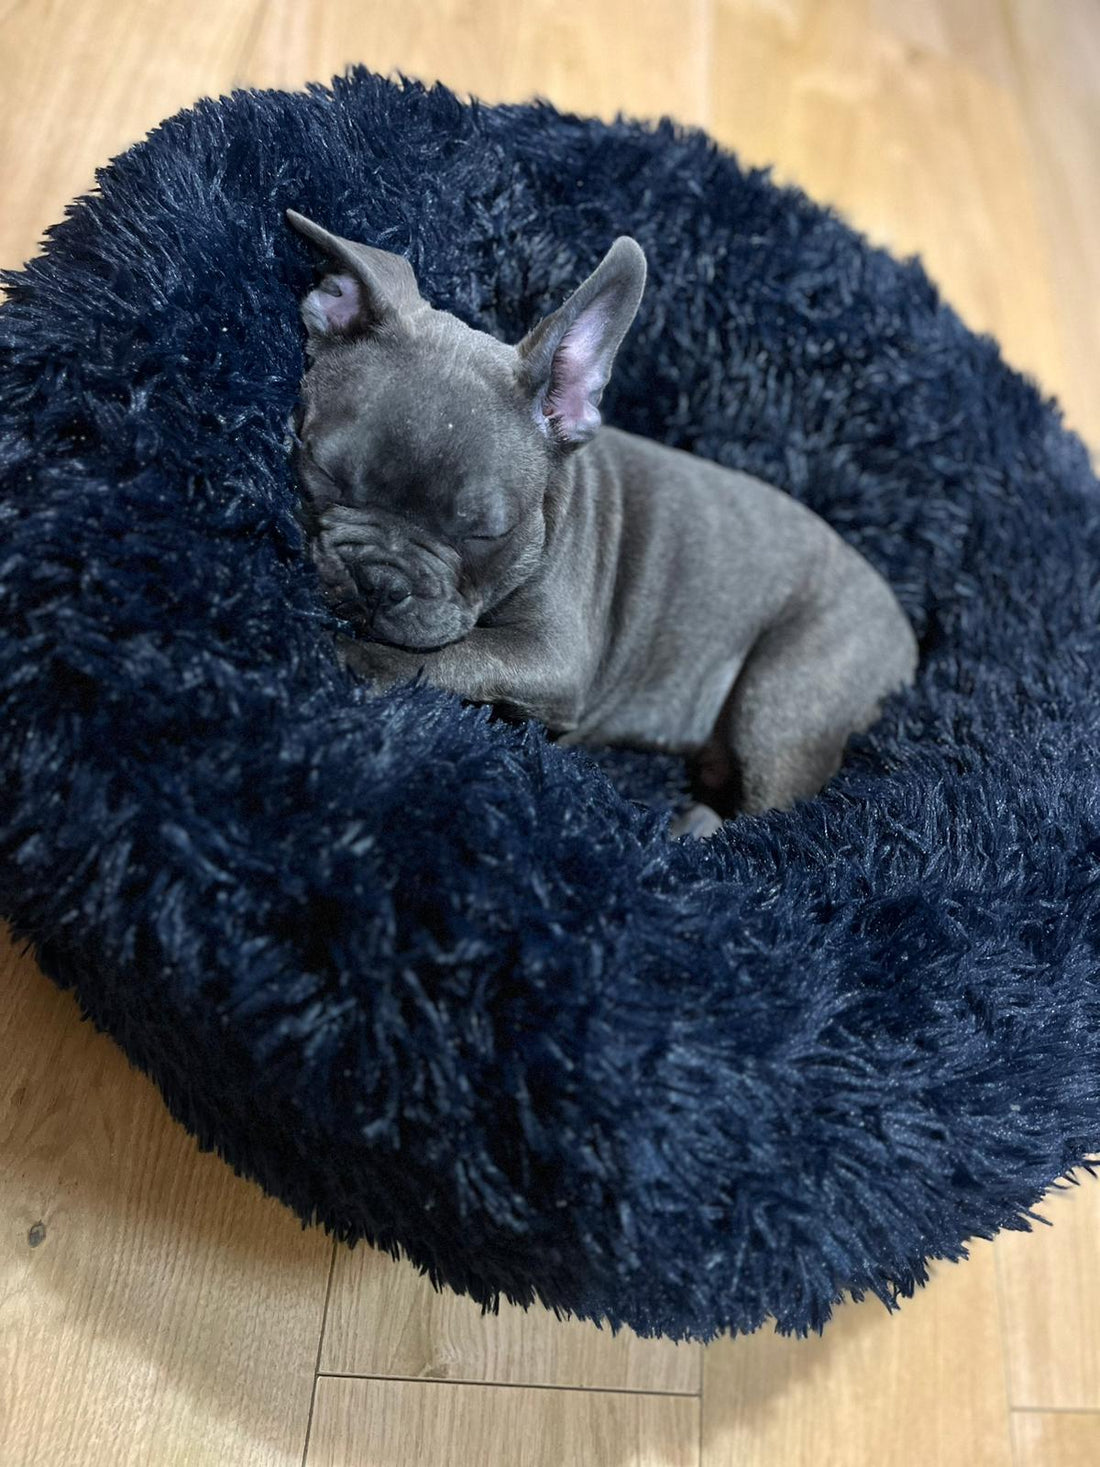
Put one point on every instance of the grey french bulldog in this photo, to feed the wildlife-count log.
(473, 521)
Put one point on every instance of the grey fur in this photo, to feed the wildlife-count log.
(635, 594)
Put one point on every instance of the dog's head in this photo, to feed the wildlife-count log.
(425, 449)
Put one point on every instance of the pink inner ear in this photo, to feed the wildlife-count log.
(328, 312)
(577, 373)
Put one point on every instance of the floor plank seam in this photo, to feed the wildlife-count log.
(702, 1405)
(508, 1385)
(1001, 1311)
(1056, 1410)
(320, 1347)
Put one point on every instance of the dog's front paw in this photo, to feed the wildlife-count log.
(384, 665)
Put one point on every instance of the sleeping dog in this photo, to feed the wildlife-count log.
(475, 522)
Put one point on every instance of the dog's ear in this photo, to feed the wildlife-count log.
(565, 362)
(372, 287)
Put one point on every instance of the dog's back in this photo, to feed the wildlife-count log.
(694, 568)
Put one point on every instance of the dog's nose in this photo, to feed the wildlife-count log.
(382, 585)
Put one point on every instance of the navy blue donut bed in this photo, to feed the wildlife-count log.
(429, 978)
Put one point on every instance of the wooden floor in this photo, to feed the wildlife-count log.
(156, 1309)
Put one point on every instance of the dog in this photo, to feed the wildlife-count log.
(474, 521)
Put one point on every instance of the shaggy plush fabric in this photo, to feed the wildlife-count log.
(428, 978)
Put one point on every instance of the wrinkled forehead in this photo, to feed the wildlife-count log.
(420, 438)
(399, 433)
(439, 388)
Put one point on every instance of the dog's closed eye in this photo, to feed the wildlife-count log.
(305, 447)
(319, 466)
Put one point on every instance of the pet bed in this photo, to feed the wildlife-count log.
(429, 978)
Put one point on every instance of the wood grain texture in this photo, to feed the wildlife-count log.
(386, 1319)
(83, 79)
(1056, 51)
(923, 1388)
(913, 125)
(1050, 1304)
(597, 58)
(387, 1423)
(972, 34)
(1055, 1439)
(154, 1308)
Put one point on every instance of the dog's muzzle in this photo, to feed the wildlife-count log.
(385, 602)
